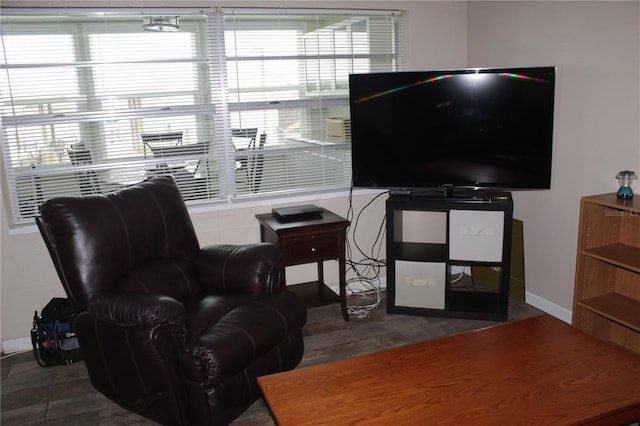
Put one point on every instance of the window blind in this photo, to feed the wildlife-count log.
(234, 103)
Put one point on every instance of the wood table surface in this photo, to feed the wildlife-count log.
(535, 371)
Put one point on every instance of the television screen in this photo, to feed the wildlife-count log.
(467, 128)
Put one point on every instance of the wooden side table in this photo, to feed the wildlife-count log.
(307, 241)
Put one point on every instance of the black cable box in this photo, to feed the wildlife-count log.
(304, 212)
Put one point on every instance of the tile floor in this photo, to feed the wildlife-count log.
(33, 395)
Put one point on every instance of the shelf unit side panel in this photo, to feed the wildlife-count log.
(580, 284)
(627, 283)
(625, 337)
(596, 278)
(623, 217)
(630, 229)
(592, 323)
(598, 226)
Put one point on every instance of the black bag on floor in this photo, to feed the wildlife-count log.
(54, 342)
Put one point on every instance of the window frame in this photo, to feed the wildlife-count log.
(219, 109)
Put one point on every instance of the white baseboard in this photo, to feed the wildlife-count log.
(21, 344)
(550, 308)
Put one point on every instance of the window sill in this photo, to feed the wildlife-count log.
(266, 202)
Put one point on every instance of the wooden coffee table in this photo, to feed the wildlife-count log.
(535, 371)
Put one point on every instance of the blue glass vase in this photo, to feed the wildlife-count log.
(625, 177)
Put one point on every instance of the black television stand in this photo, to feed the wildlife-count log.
(476, 233)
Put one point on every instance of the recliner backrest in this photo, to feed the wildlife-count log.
(137, 239)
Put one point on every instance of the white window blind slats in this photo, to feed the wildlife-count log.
(288, 76)
(90, 102)
(81, 91)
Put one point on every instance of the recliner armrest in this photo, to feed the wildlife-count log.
(131, 344)
(135, 308)
(248, 268)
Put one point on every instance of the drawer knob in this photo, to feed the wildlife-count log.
(313, 250)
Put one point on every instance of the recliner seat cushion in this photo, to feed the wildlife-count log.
(242, 333)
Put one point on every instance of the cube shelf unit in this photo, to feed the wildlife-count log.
(607, 287)
(475, 232)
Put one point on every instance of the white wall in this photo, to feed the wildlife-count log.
(437, 38)
(596, 47)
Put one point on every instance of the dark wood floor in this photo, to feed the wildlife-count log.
(32, 395)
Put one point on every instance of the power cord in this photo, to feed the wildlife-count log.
(458, 278)
(367, 270)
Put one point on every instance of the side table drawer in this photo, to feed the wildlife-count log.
(313, 248)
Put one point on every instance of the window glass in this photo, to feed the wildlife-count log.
(90, 101)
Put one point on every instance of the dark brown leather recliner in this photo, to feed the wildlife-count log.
(169, 330)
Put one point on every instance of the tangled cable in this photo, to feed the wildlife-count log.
(363, 291)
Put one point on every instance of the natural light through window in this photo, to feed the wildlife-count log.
(237, 104)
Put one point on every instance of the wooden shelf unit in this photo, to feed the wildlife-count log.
(607, 288)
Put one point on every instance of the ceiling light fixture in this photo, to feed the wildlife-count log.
(160, 23)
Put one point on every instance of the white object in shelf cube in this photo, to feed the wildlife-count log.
(476, 235)
(420, 284)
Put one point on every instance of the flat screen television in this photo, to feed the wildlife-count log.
(466, 129)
